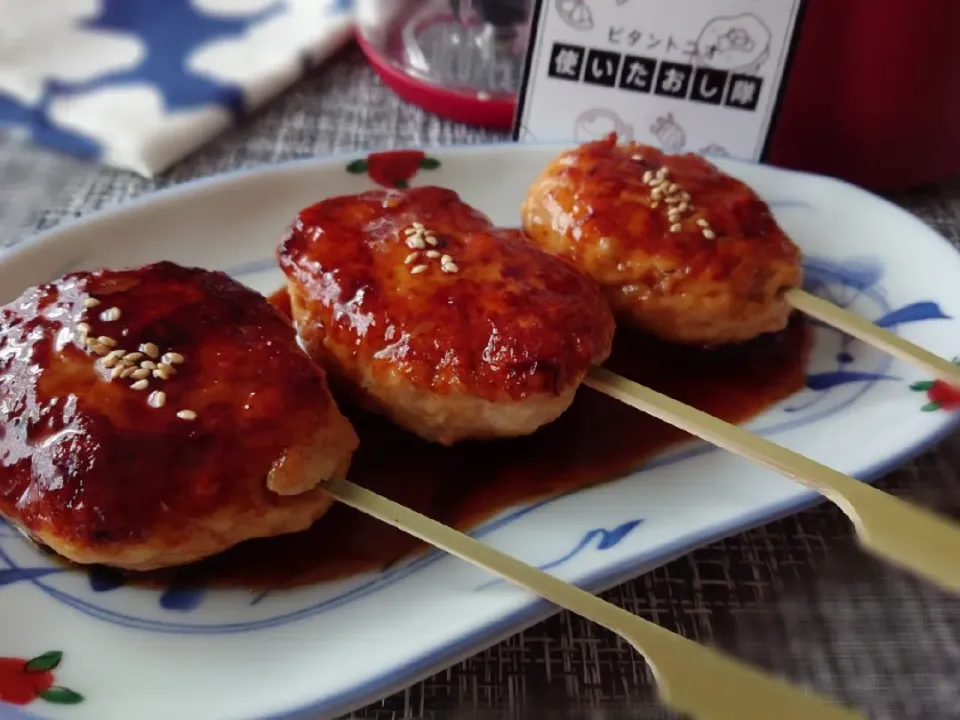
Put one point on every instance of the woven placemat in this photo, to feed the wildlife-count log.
(795, 596)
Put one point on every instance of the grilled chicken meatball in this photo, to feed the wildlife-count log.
(435, 318)
(681, 249)
(154, 416)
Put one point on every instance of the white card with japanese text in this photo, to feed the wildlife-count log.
(685, 75)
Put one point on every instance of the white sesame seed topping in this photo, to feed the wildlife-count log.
(445, 259)
(173, 358)
(647, 177)
(431, 240)
(417, 269)
(416, 242)
(132, 357)
(432, 254)
(90, 302)
(118, 353)
(411, 257)
(449, 267)
(702, 222)
(110, 361)
(417, 225)
(709, 234)
(110, 315)
(637, 158)
(148, 365)
(677, 227)
(157, 399)
(108, 341)
(671, 200)
(140, 385)
(683, 207)
(654, 205)
(118, 371)
(83, 328)
(150, 349)
(655, 182)
(187, 415)
(140, 374)
(100, 349)
(161, 375)
(127, 371)
(167, 368)
(410, 231)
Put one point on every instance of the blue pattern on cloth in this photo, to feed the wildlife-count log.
(138, 84)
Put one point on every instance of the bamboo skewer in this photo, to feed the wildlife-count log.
(865, 331)
(906, 535)
(691, 678)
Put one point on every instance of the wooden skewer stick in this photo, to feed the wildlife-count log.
(908, 536)
(691, 678)
(871, 334)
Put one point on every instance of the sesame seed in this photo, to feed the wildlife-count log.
(151, 350)
(118, 353)
(685, 196)
(148, 365)
(637, 158)
(709, 234)
(411, 257)
(671, 200)
(662, 170)
(173, 358)
(118, 371)
(449, 267)
(167, 368)
(431, 240)
(132, 357)
(418, 225)
(161, 374)
(654, 205)
(91, 341)
(110, 315)
(108, 341)
(140, 385)
(83, 328)
(654, 182)
(110, 361)
(702, 222)
(91, 302)
(417, 269)
(674, 188)
(100, 349)
(127, 371)
(676, 227)
(416, 242)
(187, 415)
(140, 374)
(410, 231)
(647, 177)
(445, 259)
(157, 399)
(432, 254)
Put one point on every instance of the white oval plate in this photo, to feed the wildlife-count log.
(327, 649)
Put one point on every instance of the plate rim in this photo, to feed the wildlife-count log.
(533, 610)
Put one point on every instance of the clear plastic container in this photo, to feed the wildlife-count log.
(462, 59)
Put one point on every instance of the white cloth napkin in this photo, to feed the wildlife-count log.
(138, 84)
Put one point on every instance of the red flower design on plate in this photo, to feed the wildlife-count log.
(941, 395)
(393, 168)
(23, 681)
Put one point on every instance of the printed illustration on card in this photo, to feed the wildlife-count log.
(687, 76)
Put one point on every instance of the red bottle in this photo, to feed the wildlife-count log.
(873, 93)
